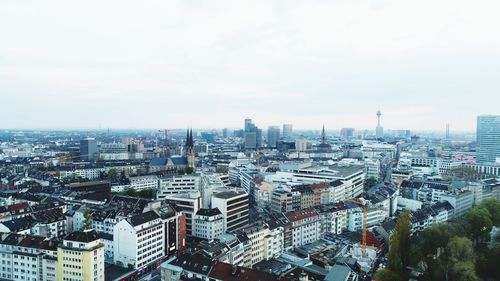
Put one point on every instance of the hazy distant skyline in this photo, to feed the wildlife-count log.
(210, 64)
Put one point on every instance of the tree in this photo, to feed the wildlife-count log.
(399, 248)
(130, 192)
(464, 173)
(189, 170)
(463, 271)
(460, 260)
(433, 240)
(371, 181)
(387, 275)
(477, 224)
(113, 173)
(87, 219)
(493, 207)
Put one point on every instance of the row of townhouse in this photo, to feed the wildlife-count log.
(306, 196)
(93, 173)
(48, 223)
(77, 256)
(136, 239)
(427, 216)
(27, 257)
(247, 246)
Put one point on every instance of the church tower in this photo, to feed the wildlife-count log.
(189, 151)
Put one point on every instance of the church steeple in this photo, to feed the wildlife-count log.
(189, 149)
(323, 135)
(187, 139)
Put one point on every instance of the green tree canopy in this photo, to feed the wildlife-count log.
(113, 173)
(493, 207)
(477, 224)
(387, 275)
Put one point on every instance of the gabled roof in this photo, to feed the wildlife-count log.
(162, 161)
(228, 272)
(179, 160)
(197, 263)
(339, 272)
(143, 218)
(85, 236)
(300, 214)
(208, 212)
(19, 224)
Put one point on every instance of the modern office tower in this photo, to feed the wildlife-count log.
(234, 207)
(81, 256)
(273, 135)
(252, 135)
(88, 149)
(379, 130)
(488, 139)
(287, 131)
(248, 124)
(189, 203)
(225, 133)
(346, 133)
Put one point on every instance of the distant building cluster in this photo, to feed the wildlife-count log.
(229, 204)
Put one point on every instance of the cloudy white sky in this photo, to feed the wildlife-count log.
(172, 64)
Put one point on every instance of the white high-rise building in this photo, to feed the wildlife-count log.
(139, 240)
(233, 205)
(208, 224)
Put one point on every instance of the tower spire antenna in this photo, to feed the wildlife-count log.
(323, 135)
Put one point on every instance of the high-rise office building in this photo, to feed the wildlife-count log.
(287, 131)
(234, 207)
(252, 135)
(273, 135)
(379, 130)
(488, 139)
(346, 133)
(88, 149)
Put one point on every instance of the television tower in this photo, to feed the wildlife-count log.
(379, 130)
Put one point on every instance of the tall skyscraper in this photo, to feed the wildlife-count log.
(287, 131)
(252, 135)
(273, 135)
(346, 133)
(379, 130)
(88, 149)
(488, 139)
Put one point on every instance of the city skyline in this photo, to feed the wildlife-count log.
(323, 63)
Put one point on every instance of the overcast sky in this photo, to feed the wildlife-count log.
(173, 64)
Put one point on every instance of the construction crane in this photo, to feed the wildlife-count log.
(166, 143)
(364, 224)
(363, 236)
